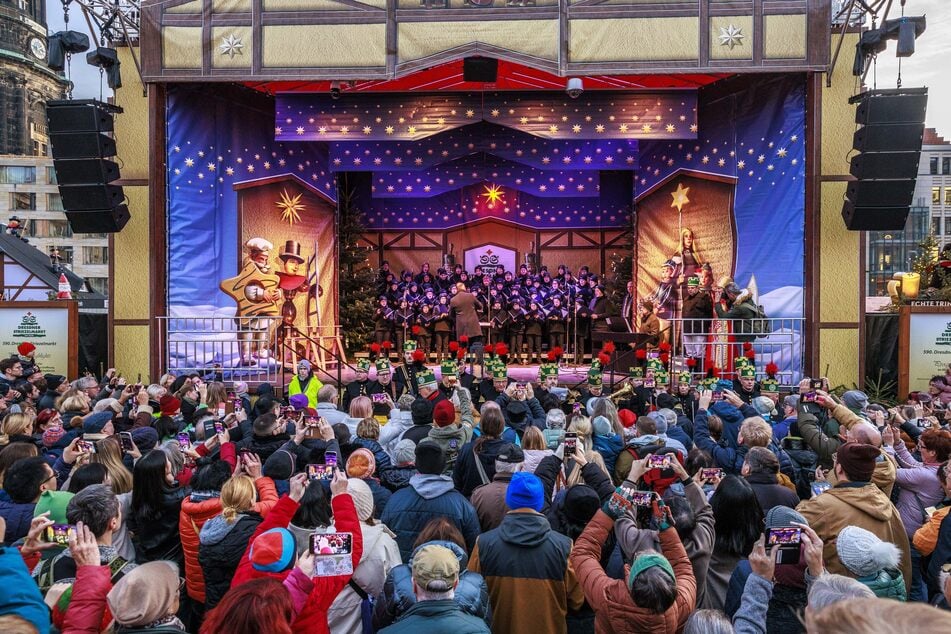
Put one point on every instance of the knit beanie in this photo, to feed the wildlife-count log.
(362, 498)
(666, 401)
(145, 594)
(601, 426)
(581, 503)
(280, 465)
(444, 414)
(780, 516)
(361, 463)
(273, 551)
(94, 423)
(55, 502)
(763, 406)
(240, 388)
(145, 438)
(517, 411)
(25, 349)
(863, 553)
(405, 452)
(298, 401)
(422, 411)
(627, 418)
(857, 460)
(53, 381)
(670, 416)
(53, 435)
(660, 421)
(525, 491)
(169, 405)
(430, 458)
(855, 400)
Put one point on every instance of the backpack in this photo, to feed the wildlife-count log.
(804, 461)
(760, 325)
(658, 480)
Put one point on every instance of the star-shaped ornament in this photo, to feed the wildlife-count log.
(679, 196)
(231, 46)
(731, 36)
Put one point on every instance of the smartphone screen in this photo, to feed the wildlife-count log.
(60, 533)
(809, 397)
(223, 409)
(709, 474)
(330, 458)
(320, 471)
(324, 544)
(658, 462)
(219, 428)
(378, 398)
(716, 395)
(642, 498)
(571, 443)
(184, 441)
(125, 437)
(85, 446)
(787, 536)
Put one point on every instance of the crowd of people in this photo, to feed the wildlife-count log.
(470, 504)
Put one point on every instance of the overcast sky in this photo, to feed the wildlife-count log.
(927, 67)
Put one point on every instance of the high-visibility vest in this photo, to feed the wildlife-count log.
(313, 386)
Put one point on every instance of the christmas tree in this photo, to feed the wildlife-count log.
(357, 278)
(927, 258)
(622, 262)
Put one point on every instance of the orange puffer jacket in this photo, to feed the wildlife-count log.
(194, 515)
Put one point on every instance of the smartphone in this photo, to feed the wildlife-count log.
(330, 458)
(85, 446)
(520, 386)
(642, 498)
(320, 471)
(125, 437)
(788, 539)
(571, 443)
(290, 413)
(184, 441)
(716, 395)
(809, 397)
(650, 382)
(816, 384)
(378, 398)
(658, 461)
(576, 408)
(709, 474)
(818, 488)
(325, 544)
(60, 533)
(223, 410)
(219, 427)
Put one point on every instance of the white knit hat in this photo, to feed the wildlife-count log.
(863, 553)
(764, 405)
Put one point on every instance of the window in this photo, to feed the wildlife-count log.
(54, 202)
(936, 226)
(935, 195)
(96, 255)
(66, 253)
(51, 175)
(947, 196)
(22, 201)
(934, 165)
(17, 174)
(49, 229)
(946, 165)
(98, 284)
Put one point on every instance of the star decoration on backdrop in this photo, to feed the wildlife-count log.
(231, 46)
(493, 194)
(679, 196)
(731, 36)
(290, 207)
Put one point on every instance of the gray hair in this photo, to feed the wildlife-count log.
(173, 451)
(405, 403)
(507, 467)
(791, 401)
(326, 394)
(708, 622)
(829, 588)
(487, 406)
(155, 391)
(86, 382)
(422, 594)
(95, 506)
(762, 460)
(555, 419)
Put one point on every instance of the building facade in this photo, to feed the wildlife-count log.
(28, 191)
(26, 82)
(933, 188)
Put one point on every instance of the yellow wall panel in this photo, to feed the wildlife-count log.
(189, 7)
(221, 58)
(784, 36)
(838, 280)
(131, 350)
(130, 298)
(838, 116)
(839, 351)
(324, 45)
(228, 6)
(743, 49)
(181, 46)
(538, 38)
(633, 39)
(131, 127)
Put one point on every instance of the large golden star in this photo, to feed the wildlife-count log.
(492, 194)
(680, 197)
(290, 207)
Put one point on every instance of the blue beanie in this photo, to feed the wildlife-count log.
(145, 438)
(273, 551)
(525, 491)
(602, 426)
(94, 423)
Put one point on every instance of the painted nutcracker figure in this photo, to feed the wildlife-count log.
(255, 290)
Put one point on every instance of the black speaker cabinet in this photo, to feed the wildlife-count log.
(76, 145)
(885, 165)
(89, 197)
(898, 137)
(873, 193)
(900, 108)
(481, 69)
(83, 171)
(874, 218)
(99, 220)
(80, 115)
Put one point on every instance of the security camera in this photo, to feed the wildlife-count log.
(335, 89)
(575, 87)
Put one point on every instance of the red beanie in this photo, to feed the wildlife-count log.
(627, 418)
(444, 414)
(169, 405)
(25, 349)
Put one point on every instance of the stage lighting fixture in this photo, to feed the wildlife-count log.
(335, 89)
(65, 43)
(575, 87)
(107, 59)
(905, 30)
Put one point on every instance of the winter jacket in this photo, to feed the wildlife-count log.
(437, 616)
(614, 609)
(313, 618)
(883, 477)
(855, 504)
(392, 431)
(535, 416)
(609, 447)
(465, 475)
(786, 603)
(197, 509)
(532, 583)
(698, 544)
(452, 438)
(548, 471)
(817, 438)
(676, 432)
(382, 458)
(553, 437)
(262, 446)
(534, 457)
(751, 617)
(221, 545)
(20, 594)
(489, 501)
(381, 496)
(158, 538)
(472, 593)
(18, 518)
(396, 478)
(428, 497)
(886, 584)
(380, 555)
(926, 537)
(622, 466)
(770, 493)
(87, 604)
(920, 488)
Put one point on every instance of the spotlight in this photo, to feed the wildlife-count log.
(335, 89)
(904, 29)
(108, 60)
(575, 87)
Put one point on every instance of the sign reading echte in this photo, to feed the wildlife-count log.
(45, 328)
(929, 348)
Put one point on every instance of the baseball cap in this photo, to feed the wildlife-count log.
(435, 568)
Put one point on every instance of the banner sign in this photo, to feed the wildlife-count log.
(46, 328)
(924, 346)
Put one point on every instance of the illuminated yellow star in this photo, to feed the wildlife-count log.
(671, 127)
(680, 197)
(412, 129)
(389, 129)
(646, 127)
(367, 129)
(492, 194)
(781, 153)
(576, 128)
(290, 207)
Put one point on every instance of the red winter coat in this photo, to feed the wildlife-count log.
(88, 601)
(194, 515)
(313, 618)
